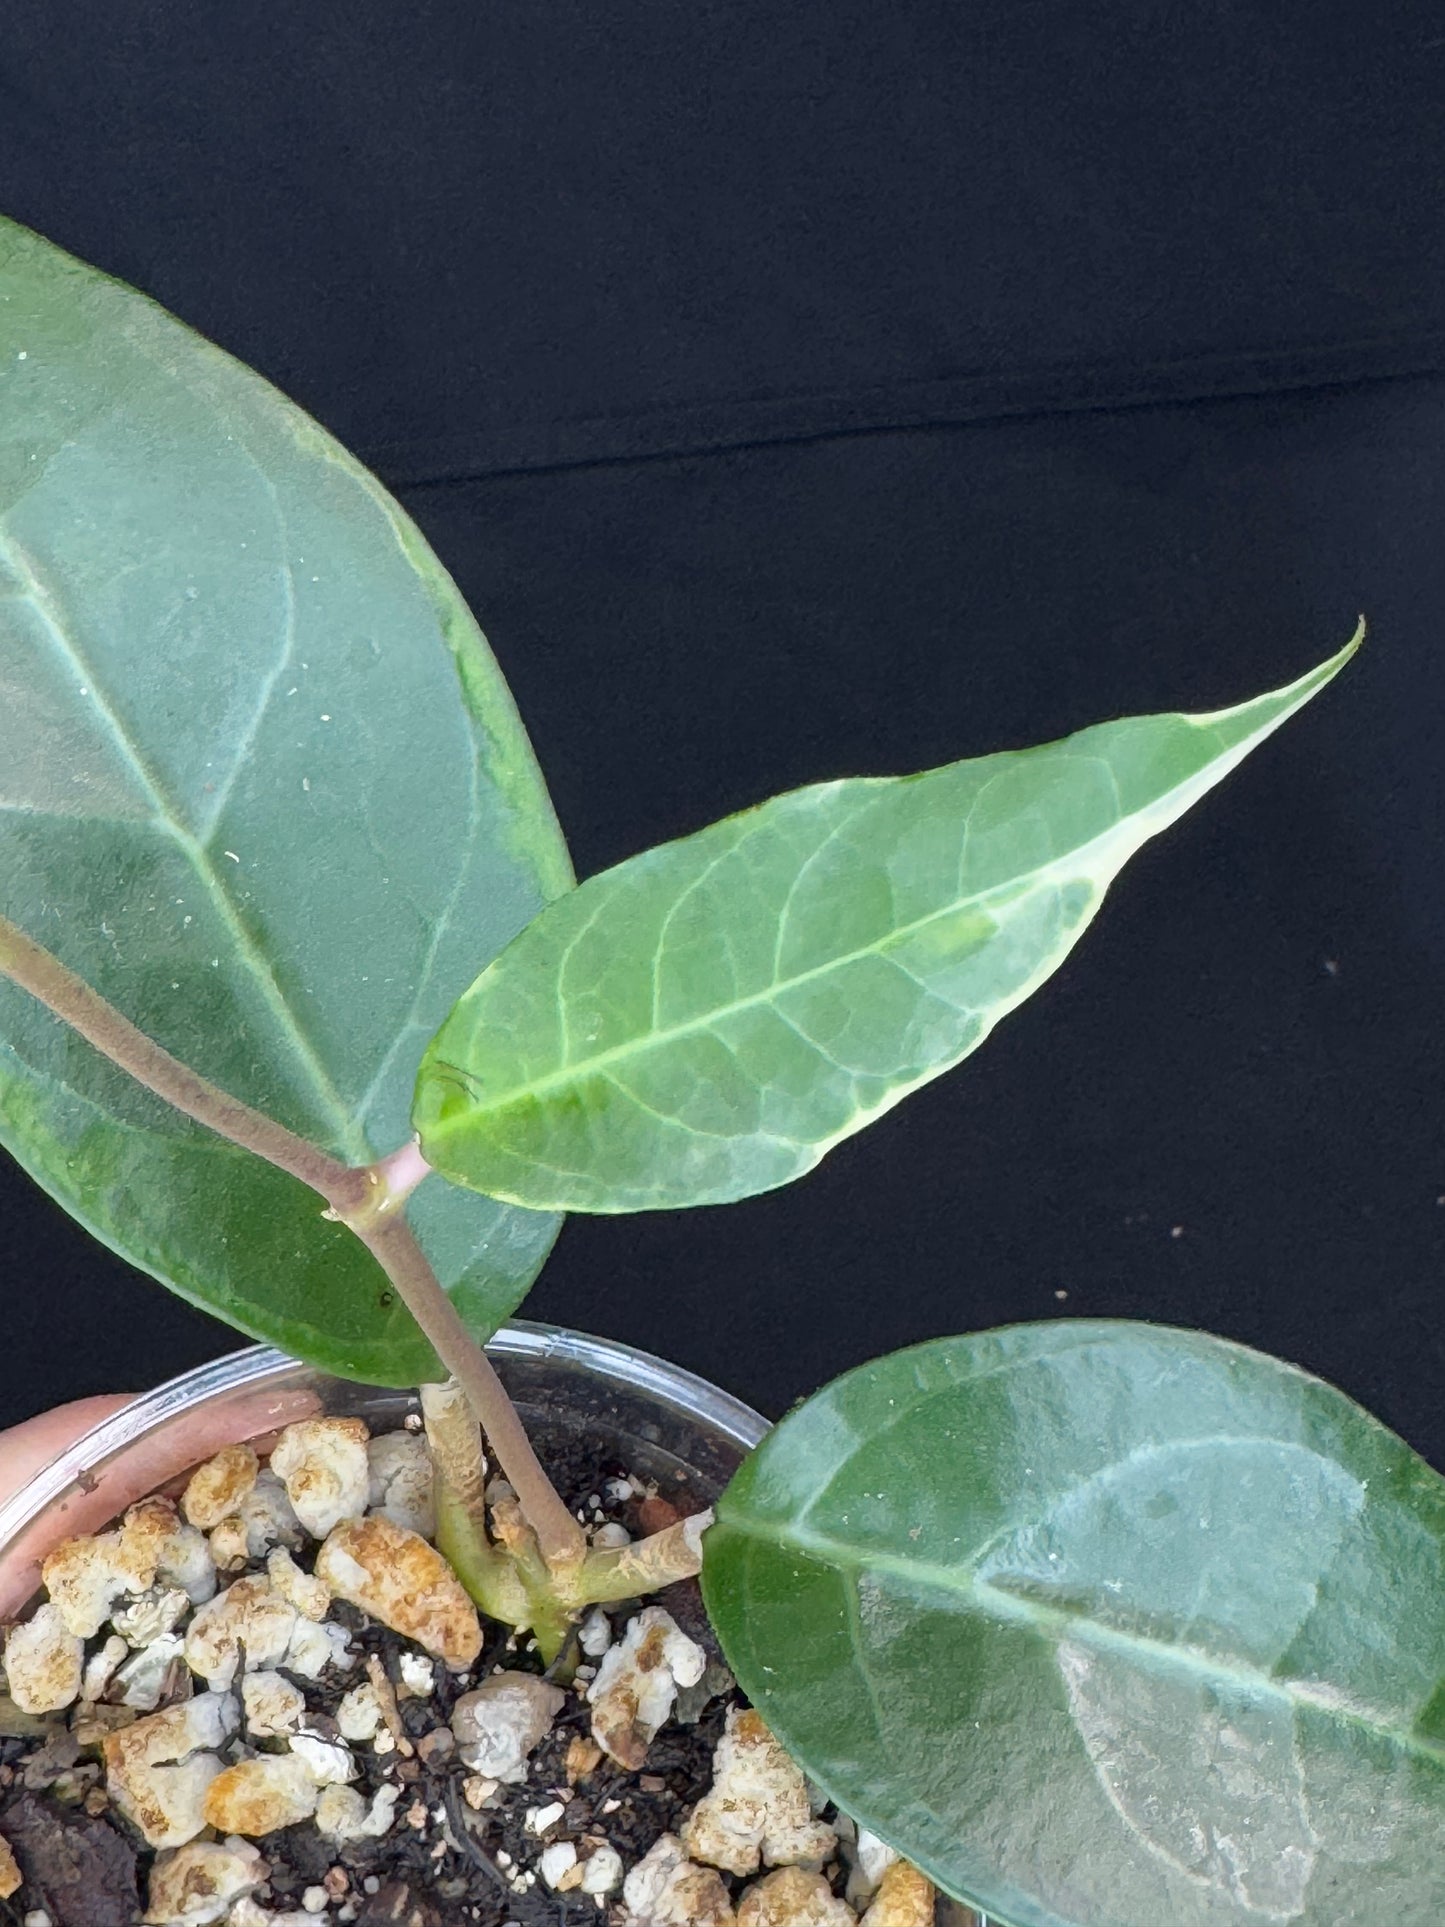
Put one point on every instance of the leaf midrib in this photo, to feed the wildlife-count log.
(1132, 828)
(167, 817)
(1014, 890)
(1056, 1624)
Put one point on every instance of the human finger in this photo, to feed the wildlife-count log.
(24, 1449)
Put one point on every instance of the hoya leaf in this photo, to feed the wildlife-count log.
(708, 1019)
(1104, 1623)
(262, 785)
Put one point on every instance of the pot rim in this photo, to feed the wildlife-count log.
(250, 1368)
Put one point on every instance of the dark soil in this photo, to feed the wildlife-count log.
(442, 1864)
(76, 1865)
(440, 1850)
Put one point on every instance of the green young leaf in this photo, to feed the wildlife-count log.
(710, 1018)
(1104, 1626)
(262, 785)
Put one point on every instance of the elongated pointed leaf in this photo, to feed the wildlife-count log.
(262, 785)
(708, 1019)
(1105, 1626)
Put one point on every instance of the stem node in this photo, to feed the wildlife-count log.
(369, 1199)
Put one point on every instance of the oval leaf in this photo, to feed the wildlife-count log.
(261, 784)
(708, 1019)
(1104, 1623)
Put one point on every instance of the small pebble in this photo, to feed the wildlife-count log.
(328, 1761)
(498, 1726)
(342, 1814)
(557, 1862)
(217, 1488)
(656, 1515)
(637, 1682)
(540, 1818)
(594, 1635)
(584, 1756)
(602, 1872)
(401, 1579)
(436, 1746)
(323, 1465)
(359, 1714)
(905, 1899)
(418, 1675)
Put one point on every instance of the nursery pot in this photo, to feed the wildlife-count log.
(664, 1423)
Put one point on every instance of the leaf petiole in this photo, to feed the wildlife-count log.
(368, 1199)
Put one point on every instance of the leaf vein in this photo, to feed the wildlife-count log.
(1053, 1624)
(170, 819)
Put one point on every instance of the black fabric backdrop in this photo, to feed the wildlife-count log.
(804, 388)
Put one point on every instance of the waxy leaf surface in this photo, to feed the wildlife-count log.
(706, 1020)
(1105, 1626)
(262, 785)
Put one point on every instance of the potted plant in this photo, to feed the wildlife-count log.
(1090, 1623)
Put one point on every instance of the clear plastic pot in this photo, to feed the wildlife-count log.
(664, 1423)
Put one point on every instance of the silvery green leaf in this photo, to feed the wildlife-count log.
(706, 1020)
(1104, 1625)
(262, 785)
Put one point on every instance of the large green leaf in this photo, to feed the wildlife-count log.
(708, 1019)
(262, 785)
(1105, 1625)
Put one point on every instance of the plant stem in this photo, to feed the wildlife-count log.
(394, 1246)
(460, 1478)
(369, 1199)
(115, 1037)
(645, 1566)
(401, 1171)
(385, 1187)
(456, 1443)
